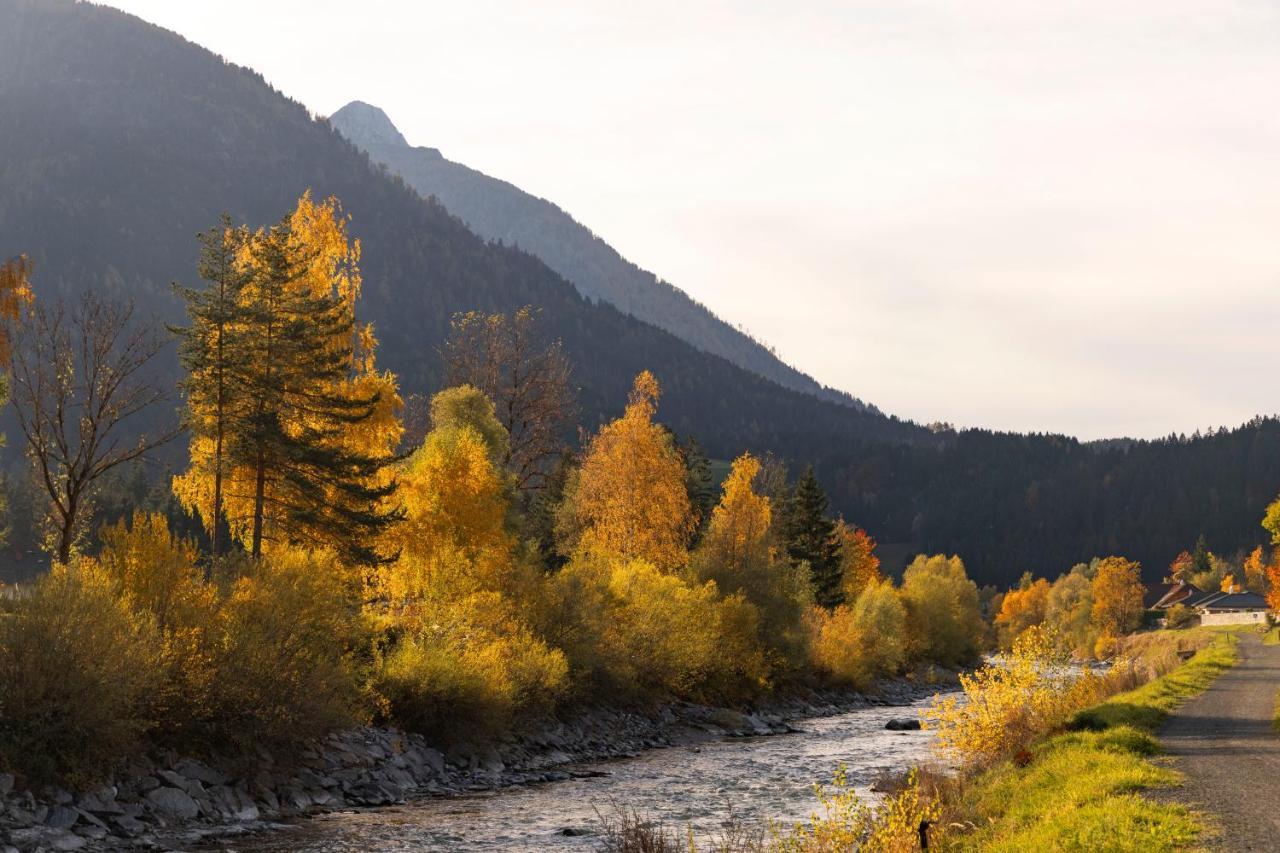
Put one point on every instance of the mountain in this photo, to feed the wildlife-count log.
(497, 210)
(120, 141)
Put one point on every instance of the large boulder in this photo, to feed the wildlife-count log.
(172, 803)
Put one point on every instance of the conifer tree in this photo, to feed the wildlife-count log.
(212, 349)
(306, 455)
(810, 536)
(1200, 561)
(702, 491)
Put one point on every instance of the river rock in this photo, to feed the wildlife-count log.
(61, 817)
(172, 803)
(101, 801)
(903, 724)
(200, 772)
(6, 784)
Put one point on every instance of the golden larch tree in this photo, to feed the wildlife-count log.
(628, 497)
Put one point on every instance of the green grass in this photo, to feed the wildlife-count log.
(1272, 637)
(1081, 790)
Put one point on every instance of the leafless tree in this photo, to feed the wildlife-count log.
(81, 377)
(526, 376)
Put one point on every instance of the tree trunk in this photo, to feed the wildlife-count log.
(259, 498)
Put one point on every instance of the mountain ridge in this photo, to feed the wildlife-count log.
(498, 210)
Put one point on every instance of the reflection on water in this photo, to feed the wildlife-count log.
(752, 779)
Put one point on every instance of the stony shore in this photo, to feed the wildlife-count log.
(169, 802)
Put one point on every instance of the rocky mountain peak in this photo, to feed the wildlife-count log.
(367, 125)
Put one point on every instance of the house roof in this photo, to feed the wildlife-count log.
(1199, 599)
(1167, 594)
(1155, 593)
(1236, 601)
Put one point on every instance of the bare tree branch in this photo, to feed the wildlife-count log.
(80, 376)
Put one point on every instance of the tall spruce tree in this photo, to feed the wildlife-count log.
(698, 481)
(212, 349)
(1200, 562)
(811, 537)
(312, 428)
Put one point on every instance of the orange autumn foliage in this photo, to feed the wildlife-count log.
(1022, 609)
(859, 565)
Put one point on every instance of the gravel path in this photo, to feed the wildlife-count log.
(1224, 743)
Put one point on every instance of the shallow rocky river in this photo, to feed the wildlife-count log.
(754, 780)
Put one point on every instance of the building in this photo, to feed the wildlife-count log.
(1230, 608)
(1164, 595)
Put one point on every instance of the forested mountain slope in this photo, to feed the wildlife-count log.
(120, 141)
(497, 210)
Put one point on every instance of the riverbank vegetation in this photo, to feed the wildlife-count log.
(454, 566)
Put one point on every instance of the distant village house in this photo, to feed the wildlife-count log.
(1213, 608)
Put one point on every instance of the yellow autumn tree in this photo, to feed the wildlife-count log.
(628, 497)
(944, 617)
(739, 554)
(15, 294)
(454, 539)
(1255, 571)
(461, 650)
(1117, 599)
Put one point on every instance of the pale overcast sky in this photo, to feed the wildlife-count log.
(1024, 215)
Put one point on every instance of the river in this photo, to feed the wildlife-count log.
(754, 780)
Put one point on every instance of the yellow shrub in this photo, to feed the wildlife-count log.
(1008, 703)
(847, 824)
(454, 675)
(284, 664)
(77, 668)
(859, 643)
(156, 573)
(629, 627)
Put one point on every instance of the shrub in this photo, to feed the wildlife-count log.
(156, 574)
(1181, 616)
(468, 669)
(846, 823)
(284, 661)
(857, 644)
(629, 628)
(77, 668)
(1013, 700)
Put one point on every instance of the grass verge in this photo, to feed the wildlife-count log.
(1080, 790)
